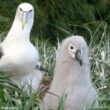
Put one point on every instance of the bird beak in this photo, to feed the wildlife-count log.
(24, 19)
(78, 56)
(41, 68)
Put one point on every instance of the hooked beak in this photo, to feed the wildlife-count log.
(78, 56)
(24, 19)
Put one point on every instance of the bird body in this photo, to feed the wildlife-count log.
(19, 57)
(72, 78)
(30, 81)
(18, 61)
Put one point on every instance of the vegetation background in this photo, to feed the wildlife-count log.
(52, 16)
(56, 19)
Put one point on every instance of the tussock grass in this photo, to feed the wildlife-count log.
(12, 96)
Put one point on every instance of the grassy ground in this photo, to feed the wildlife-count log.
(12, 97)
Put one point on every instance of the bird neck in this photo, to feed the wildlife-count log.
(17, 32)
(72, 70)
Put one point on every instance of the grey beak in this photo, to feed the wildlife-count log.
(78, 56)
(41, 68)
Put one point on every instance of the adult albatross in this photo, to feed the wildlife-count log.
(18, 56)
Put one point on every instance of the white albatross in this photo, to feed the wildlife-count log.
(18, 56)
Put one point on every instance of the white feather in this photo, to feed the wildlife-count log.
(20, 57)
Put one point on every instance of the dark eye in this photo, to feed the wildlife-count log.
(72, 47)
(30, 10)
(21, 9)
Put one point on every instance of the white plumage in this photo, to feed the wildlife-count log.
(18, 55)
(72, 78)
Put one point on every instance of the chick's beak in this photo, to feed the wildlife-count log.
(41, 68)
(78, 56)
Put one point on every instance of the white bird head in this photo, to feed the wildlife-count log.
(75, 48)
(25, 14)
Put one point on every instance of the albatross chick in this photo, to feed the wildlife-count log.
(72, 78)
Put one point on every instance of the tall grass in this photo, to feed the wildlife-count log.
(13, 97)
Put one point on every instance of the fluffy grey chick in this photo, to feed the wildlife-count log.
(72, 78)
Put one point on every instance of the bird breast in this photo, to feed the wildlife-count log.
(20, 57)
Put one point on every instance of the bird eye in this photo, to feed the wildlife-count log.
(21, 9)
(72, 47)
(30, 10)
